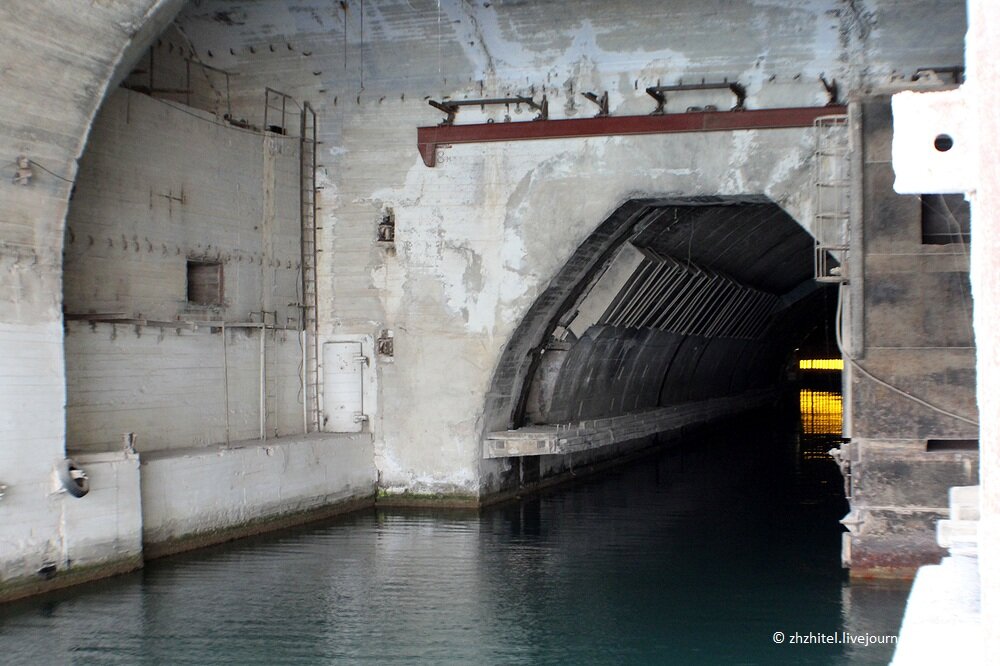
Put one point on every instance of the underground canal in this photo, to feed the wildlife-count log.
(697, 553)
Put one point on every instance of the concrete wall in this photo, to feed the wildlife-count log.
(172, 387)
(58, 60)
(984, 39)
(200, 496)
(161, 184)
(480, 236)
(916, 335)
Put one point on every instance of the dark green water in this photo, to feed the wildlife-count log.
(696, 555)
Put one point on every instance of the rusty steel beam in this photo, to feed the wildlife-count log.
(429, 138)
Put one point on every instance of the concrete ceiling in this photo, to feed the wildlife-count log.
(462, 45)
(751, 240)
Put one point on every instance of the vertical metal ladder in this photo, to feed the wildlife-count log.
(832, 198)
(307, 199)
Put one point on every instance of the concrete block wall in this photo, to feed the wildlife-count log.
(161, 184)
(201, 496)
(172, 387)
(105, 525)
(917, 336)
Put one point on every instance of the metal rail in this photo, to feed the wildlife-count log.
(452, 107)
(659, 93)
(430, 138)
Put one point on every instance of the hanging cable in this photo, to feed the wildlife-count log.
(52, 173)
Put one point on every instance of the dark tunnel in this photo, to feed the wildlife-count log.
(669, 301)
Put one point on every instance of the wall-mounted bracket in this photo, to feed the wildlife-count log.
(452, 108)
(24, 172)
(659, 93)
(384, 344)
(956, 72)
(601, 102)
(832, 91)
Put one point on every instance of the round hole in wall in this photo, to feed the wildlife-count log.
(943, 143)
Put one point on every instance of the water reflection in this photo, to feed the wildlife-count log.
(695, 555)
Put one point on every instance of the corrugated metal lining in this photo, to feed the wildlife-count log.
(723, 298)
(668, 295)
(750, 239)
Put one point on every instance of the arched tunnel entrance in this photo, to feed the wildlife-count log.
(675, 311)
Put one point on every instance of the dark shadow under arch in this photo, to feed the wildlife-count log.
(613, 370)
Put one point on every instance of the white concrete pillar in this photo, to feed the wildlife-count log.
(983, 103)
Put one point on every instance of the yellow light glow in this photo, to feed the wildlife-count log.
(822, 412)
(821, 364)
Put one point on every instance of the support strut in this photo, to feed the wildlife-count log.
(429, 138)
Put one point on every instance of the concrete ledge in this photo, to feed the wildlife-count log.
(942, 623)
(890, 555)
(20, 588)
(963, 503)
(251, 528)
(579, 473)
(413, 500)
(961, 537)
(563, 438)
(196, 497)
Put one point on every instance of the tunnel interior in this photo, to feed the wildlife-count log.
(670, 302)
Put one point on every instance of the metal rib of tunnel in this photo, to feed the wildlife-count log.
(674, 311)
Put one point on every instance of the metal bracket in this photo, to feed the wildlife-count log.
(452, 108)
(359, 417)
(657, 92)
(957, 73)
(832, 91)
(361, 358)
(601, 102)
(24, 172)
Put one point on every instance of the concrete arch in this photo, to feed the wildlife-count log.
(58, 61)
(613, 369)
